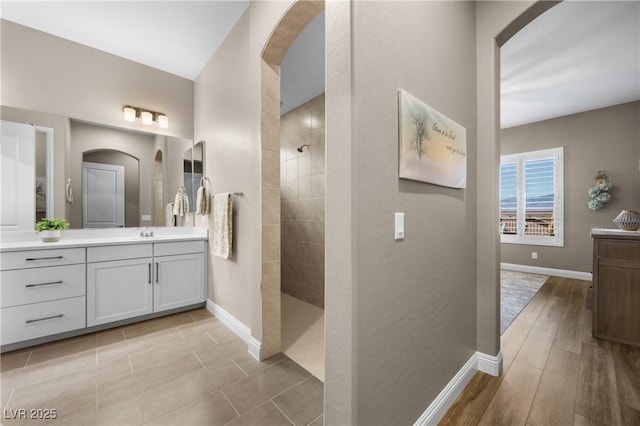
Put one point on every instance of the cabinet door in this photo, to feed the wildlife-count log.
(618, 300)
(179, 281)
(119, 289)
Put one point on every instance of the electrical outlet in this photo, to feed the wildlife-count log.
(534, 255)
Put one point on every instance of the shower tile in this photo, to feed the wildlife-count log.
(318, 159)
(287, 213)
(317, 186)
(271, 314)
(317, 209)
(304, 164)
(270, 132)
(317, 255)
(270, 243)
(270, 206)
(291, 189)
(304, 209)
(270, 169)
(271, 272)
(304, 187)
(270, 100)
(292, 169)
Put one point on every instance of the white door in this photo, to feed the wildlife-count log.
(17, 174)
(102, 195)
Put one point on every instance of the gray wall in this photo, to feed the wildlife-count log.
(604, 139)
(222, 120)
(411, 337)
(302, 186)
(41, 72)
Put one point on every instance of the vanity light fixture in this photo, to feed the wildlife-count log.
(146, 116)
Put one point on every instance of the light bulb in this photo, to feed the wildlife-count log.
(147, 117)
(129, 114)
(163, 121)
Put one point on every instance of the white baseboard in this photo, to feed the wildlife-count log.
(445, 399)
(244, 332)
(547, 271)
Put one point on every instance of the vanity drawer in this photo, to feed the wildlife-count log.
(42, 319)
(23, 286)
(179, 247)
(129, 251)
(39, 258)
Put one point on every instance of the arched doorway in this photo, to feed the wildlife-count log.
(288, 29)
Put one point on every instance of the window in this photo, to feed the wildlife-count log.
(531, 199)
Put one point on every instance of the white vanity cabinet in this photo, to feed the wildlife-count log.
(179, 274)
(42, 293)
(119, 282)
(132, 280)
(57, 290)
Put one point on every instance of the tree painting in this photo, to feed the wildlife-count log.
(419, 118)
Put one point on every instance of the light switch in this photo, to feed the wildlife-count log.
(399, 226)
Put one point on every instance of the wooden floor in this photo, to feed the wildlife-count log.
(554, 372)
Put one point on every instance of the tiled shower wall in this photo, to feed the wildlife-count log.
(302, 185)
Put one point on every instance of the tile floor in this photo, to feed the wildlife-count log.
(183, 369)
(303, 334)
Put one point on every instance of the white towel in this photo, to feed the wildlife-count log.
(181, 204)
(202, 201)
(168, 215)
(222, 225)
(68, 190)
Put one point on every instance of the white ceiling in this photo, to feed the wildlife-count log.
(578, 56)
(175, 36)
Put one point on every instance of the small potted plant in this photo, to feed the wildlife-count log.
(49, 229)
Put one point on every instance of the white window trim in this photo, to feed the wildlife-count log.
(558, 240)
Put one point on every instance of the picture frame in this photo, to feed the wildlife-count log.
(432, 148)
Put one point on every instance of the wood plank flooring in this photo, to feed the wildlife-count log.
(554, 371)
(183, 369)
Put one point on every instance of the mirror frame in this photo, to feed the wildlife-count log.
(49, 139)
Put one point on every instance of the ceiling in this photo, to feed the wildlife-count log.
(175, 36)
(578, 56)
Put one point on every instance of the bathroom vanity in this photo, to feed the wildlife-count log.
(616, 285)
(96, 279)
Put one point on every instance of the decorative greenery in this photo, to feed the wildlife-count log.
(599, 193)
(51, 224)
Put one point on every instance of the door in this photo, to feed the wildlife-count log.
(179, 281)
(118, 290)
(17, 174)
(102, 195)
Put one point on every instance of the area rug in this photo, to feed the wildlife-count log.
(516, 290)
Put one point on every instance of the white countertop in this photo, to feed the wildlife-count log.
(611, 232)
(16, 241)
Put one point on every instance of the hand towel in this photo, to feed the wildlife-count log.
(181, 204)
(68, 190)
(168, 215)
(202, 201)
(222, 225)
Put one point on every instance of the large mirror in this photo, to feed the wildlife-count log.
(144, 171)
(128, 178)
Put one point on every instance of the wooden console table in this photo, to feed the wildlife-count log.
(616, 285)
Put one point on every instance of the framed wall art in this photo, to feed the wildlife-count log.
(432, 148)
